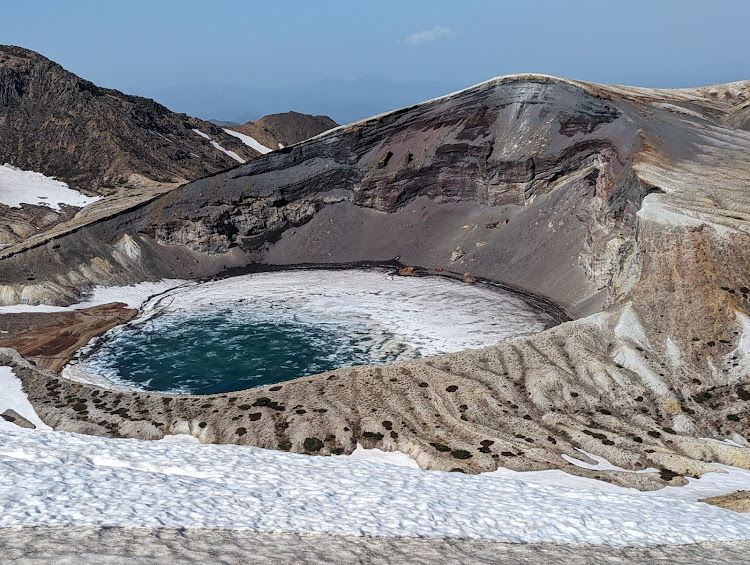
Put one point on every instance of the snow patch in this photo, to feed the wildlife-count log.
(27, 187)
(674, 352)
(133, 296)
(180, 438)
(601, 463)
(157, 134)
(251, 141)
(629, 327)
(232, 154)
(13, 397)
(658, 211)
(631, 359)
(743, 344)
(724, 442)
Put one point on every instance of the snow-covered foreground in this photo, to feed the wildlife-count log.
(52, 478)
(251, 141)
(49, 478)
(27, 187)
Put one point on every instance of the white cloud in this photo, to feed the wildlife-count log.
(437, 32)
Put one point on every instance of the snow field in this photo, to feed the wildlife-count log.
(27, 187)
(54, 478)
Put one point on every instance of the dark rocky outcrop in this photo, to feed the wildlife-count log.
(14, 417)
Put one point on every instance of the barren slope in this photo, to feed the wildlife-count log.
(627, 207)
(95, 138)
(99, 141)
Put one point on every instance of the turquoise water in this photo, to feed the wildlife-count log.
(260, 329)
(226, 351)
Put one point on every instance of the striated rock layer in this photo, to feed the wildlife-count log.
(626, 207)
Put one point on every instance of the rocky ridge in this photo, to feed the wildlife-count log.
(627, 207)
(94, 138)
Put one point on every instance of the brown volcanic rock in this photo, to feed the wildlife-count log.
(93, 138)
(285, 129)
(51, 339)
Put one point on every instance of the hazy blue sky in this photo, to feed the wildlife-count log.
(150, 46)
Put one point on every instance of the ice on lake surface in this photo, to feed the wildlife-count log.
(264, 328)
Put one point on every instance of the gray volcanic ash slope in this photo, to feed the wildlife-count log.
(627, 207)
(538, 170)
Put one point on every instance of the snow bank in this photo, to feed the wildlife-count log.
(27, 187)
(376, 455)
(81, 480)
(731, 479)
(251, 141)
(232, 154)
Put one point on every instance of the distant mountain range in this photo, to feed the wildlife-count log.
(343, 100)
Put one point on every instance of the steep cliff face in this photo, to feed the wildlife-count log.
(539, 159)
(628, 207)
(93, 138)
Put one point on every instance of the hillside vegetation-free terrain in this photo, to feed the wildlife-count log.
(94, 138)
(627, 208)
